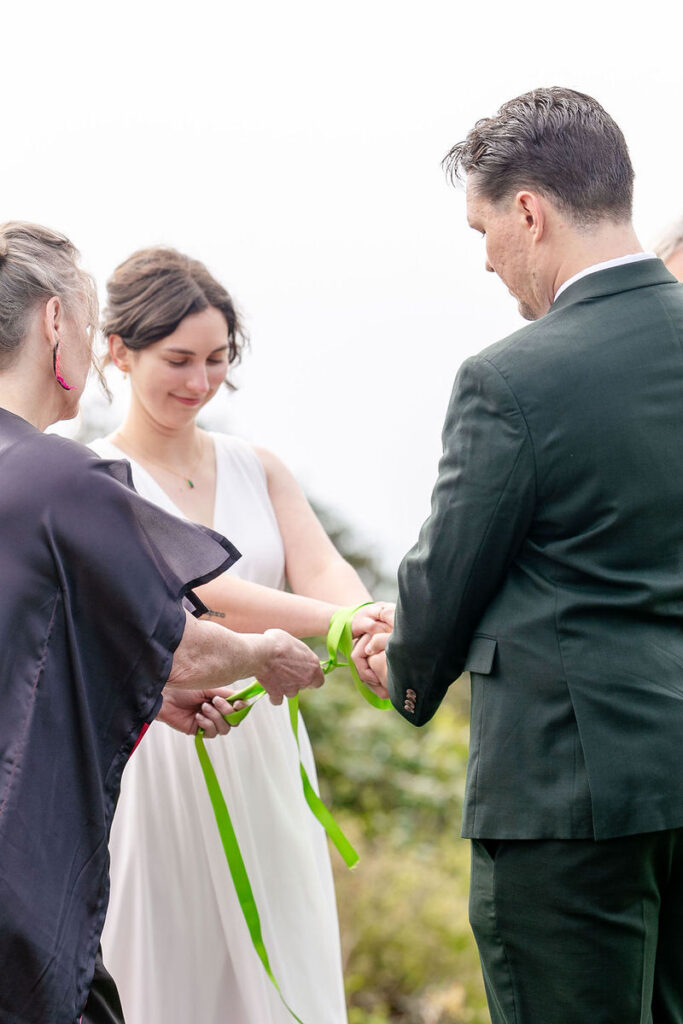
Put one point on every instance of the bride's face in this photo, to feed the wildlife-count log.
(173, 378)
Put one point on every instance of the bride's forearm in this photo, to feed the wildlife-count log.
(252, 608)
(336, 581)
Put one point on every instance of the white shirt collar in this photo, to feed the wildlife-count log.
(633, 257)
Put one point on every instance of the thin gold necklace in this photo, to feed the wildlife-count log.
(160, 465)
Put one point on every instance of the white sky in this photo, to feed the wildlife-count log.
(294, 147)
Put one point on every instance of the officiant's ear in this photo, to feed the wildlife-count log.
(119, 353)
(53, 320)
(531, 209)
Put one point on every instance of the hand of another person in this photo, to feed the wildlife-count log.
(372, 667)
(377, 658)
(287, 666)
(373, 618)
(189, 710)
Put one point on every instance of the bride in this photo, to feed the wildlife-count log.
(175, 938)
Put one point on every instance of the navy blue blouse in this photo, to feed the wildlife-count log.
(93, 579)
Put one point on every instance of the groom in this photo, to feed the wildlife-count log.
(551, 569)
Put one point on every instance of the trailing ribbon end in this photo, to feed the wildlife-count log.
(238, 871)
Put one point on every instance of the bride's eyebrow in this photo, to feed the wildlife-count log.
(190, 352)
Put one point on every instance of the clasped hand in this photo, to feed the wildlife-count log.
(371, 628)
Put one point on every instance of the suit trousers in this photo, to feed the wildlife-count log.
(103, 1005)
(576, 931)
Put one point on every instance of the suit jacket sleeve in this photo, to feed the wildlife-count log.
(482, 506)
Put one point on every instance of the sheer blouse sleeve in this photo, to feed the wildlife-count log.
(125, 568)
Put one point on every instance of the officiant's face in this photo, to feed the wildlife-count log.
(173, 378)
(509, 251)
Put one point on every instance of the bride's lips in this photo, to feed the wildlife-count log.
(187, 401)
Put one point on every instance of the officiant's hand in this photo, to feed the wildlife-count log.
(188, 710)
(373, 618)
(286, 665)
(370, 660)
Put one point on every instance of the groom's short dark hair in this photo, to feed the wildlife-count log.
(561, 143)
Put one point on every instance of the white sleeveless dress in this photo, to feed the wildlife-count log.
(175, 939)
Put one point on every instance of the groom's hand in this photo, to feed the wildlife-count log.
(370, 660)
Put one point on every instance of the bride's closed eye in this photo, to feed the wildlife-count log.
(183, 362)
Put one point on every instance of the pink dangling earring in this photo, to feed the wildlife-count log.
(55, 366)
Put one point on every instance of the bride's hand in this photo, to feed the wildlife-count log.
(373, 618)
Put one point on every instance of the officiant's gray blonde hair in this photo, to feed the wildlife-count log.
(151, 293)
(557, 141)
(36, 264)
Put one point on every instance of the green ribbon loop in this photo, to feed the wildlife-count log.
(340, 642)
(339, 647)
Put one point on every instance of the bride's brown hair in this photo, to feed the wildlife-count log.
(151, 293)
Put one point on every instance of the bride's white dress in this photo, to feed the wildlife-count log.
(175, 940)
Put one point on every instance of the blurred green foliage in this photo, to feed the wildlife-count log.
(409, 954)
(401, 783)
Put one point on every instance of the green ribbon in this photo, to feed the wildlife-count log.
(339, 647)
(340, 644)
(238, 871)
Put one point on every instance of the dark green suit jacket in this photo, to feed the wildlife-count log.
(551, 567)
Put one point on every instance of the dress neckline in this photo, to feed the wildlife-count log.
(166, 496)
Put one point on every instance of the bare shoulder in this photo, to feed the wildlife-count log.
(273, 465)
(283, 487)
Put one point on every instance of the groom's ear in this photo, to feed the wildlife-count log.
(531, 210)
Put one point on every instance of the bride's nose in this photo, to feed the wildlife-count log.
(198, 381)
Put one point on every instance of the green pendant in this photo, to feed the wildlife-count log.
(189, 483)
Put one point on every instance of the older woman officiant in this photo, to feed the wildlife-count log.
(95, 640)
